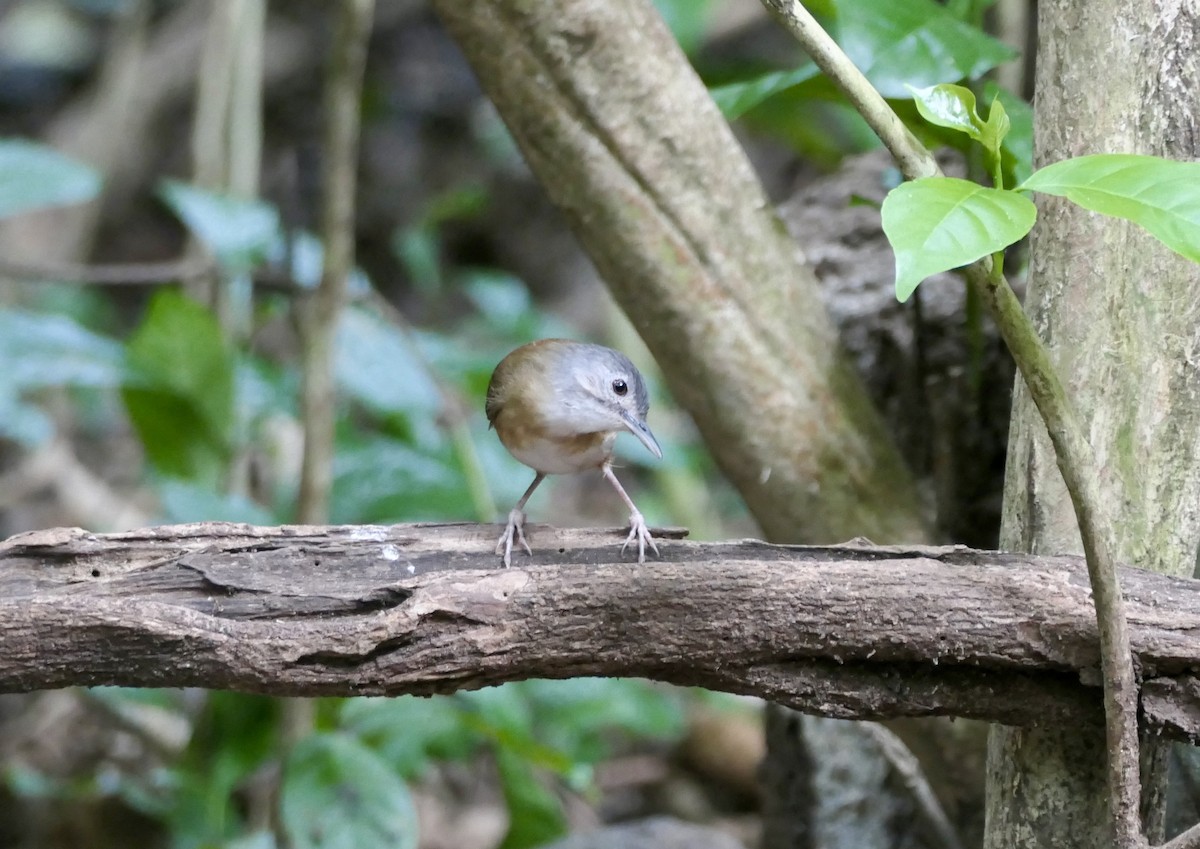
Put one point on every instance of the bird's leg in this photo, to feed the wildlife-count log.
(637, 524)
(516, 524)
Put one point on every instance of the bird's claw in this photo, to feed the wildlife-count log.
(639, 532)
(515, 529)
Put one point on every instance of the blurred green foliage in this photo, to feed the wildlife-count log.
(199, 402)
(917, 43)
(195, 402)
(179, 389)
(33, 176)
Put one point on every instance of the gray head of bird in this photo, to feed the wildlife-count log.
(600, 390)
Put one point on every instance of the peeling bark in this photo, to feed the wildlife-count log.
(849, 632)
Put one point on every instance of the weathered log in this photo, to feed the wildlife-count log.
(861, 632)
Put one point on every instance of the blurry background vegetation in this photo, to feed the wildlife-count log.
(159, 204)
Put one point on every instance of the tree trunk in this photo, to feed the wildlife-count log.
(625, 139)
(1122, 318)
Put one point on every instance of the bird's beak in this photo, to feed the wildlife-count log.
(642, 431)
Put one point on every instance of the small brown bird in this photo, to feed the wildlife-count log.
(558, 406)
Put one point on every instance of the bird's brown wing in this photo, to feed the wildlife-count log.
(493, 405)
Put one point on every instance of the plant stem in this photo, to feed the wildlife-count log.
(319, 313)
(1074, 455)
(318, 316)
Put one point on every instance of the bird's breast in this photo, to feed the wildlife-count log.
(557, 455)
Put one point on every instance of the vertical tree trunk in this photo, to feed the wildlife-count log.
(1122, 317)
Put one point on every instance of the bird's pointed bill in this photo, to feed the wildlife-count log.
(642, 431)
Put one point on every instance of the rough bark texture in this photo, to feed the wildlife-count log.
(1121, 315)
(942, 381)
(846, 632)
(622, 133)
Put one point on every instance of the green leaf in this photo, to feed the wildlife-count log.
(953, 107)
(458, 203)
(241, 233)
(338, 794)
(33, 176)
(578, 716)
(47, 351)
(377, 366)
(21, 421)
(307, 257)
(1161, 195)
(188, 501)
(735, 99)
(409, 732)
(382, 480)
(1017, 146)
(969, 10)
(916, 42)
(180, 388)
(997, 127)
(502, 299)
(255, 840)
(938, 223)
(949, 106)
(418, 249)
(234, 735)
(535, 814)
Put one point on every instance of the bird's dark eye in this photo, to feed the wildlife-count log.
(620, 386)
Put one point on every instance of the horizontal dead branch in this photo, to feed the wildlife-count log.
(853, 631)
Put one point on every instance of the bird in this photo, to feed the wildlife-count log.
(557, 406)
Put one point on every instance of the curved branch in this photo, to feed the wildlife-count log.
(848, 632)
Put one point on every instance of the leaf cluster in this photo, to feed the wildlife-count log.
(197, 402)
(939, 223)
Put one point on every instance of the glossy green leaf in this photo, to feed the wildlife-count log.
(954, 107)
(950, 106)
(179, 390)
(33, 176)
(735, 99)
(241, 233)
(939, 223)
(1161, 195)
(338, 794)
(917, 42)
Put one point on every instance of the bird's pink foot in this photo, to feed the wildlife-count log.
(640, 533)
(514, 530)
